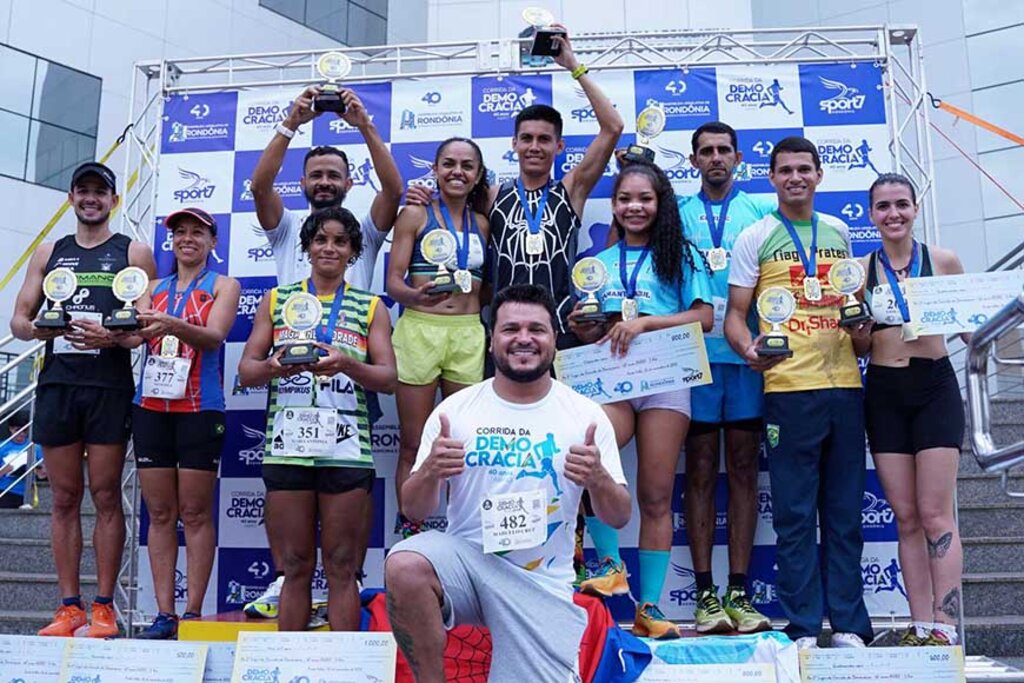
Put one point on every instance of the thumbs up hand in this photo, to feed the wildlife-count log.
(447, 455)
(583, 462)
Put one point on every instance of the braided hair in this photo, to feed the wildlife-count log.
(670, 249)
(477, 198)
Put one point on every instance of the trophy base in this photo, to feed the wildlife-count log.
(543, 45)
(774, 347)
(853, 315)
(328, 102)
(53, 320)
(591, 316)
(300, 354)
(122, 320)
(446, 286)
(639, 154)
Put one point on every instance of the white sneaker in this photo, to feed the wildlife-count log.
(847, 640)
(25, 506)
(265, 606)
(807, 643)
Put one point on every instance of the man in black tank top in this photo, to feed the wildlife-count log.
(83, 400)
(535, 222)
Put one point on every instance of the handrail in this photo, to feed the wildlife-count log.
(990, 457)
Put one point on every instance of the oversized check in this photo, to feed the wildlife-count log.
(949, 304)
(133, 661)
(660, 361)
(751, 672)
(32, 659)
(340, 657)
(871, 665)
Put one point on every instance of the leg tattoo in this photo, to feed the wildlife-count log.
(402, 637)
(938, 548)
(951, 604)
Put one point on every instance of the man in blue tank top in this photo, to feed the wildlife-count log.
(713, 219)
(83, 400)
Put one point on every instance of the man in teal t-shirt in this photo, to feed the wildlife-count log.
(713, 219)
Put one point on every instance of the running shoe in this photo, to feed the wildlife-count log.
(747, 619)
(608, 580)
(66, 621)
(265, 606)
(807, 643)
(710, 616)
(104, 621)
(910, 638)
(191, 615)
(164, 627)
(937, 639)
(650, 622)
(847, 640)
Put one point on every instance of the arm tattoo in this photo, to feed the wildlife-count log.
(938, 548)
(951, 604)
(402, 637)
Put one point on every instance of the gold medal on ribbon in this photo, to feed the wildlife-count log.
(718, 259)
(169, 346)
(812, 288)
(464, 280)
(630, 309)
(534, 243)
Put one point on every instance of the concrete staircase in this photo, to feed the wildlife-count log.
(28, 582)
(992, 530)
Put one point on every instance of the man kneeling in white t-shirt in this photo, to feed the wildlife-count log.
(516, 452)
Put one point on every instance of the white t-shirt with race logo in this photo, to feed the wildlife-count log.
(292, 264)
(516, 448)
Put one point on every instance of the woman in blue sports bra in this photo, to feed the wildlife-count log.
(657, 279)
(914, 415)
(439, 340)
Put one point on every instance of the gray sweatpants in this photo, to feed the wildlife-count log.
(535, 634)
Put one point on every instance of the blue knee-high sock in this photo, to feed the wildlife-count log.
(605, 538)
(653, 568)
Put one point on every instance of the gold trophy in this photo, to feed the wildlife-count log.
(333, 66)
(590, 275)
(775, 305)
(541, 20)
(847, 277)
(59, 285)
(649, 124)
(128, 286)
(301, 313)
(439, 247)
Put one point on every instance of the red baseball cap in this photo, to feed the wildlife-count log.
(197, 213)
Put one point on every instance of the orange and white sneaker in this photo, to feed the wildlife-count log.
(610, 579)
(104, 621)
(650, 622)
(67, 619)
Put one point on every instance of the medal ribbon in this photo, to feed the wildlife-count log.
(809, 260)
(533, 218)
(717, 228)
(325, 334)
(463, 250)
(629, 284)
(172, 287)
(913, 270)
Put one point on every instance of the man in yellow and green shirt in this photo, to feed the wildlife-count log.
(813, 408)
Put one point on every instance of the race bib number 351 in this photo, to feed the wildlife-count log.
(514, 521)
(304, 432)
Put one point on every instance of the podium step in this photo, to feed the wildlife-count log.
(225, 627)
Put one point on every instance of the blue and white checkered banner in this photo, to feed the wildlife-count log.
(211, 143)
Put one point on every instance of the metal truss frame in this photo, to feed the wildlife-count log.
(894, 48)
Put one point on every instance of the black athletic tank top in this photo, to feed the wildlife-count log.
(872, 279)
(95, 268)
(510, 264)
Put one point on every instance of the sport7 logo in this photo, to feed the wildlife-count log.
(842, 94)
(685, 594)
